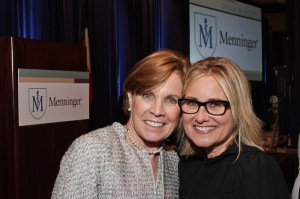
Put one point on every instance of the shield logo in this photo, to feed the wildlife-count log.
(37, 98)
(205, 34)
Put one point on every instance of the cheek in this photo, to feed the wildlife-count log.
(187, 121)
(173, 114)
(186, 118)
(139, 106)
(227, 123)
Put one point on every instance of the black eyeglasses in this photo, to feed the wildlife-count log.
(213, 107)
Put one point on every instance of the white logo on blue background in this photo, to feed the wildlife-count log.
(37, 102)
(205, 34)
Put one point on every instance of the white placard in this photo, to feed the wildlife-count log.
(46, 96)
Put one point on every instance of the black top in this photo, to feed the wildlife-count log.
(254, 175)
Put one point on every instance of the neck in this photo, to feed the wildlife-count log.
(216, 151)
(132, 140)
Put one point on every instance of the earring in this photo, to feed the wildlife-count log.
(129, 109)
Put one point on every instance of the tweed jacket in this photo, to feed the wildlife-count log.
(101, 164)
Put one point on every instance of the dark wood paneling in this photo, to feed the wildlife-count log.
(7, 171)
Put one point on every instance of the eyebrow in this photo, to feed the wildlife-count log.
(175, 96)
(210, 99)
(192, 98)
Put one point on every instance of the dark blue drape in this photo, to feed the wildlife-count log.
(50, 20)
(145, 26)
(121, 34)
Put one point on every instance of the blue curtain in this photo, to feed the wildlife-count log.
(121, 34)
(50, 20)
(145, 26)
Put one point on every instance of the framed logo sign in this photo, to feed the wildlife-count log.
(48, 96)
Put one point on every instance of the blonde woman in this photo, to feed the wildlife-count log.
(220, 145)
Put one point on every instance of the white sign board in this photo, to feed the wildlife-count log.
(48, 96)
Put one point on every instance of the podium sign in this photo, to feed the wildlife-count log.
(47, 96)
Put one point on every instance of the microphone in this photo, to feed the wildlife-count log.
(274, 102)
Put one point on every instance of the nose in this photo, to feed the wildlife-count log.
(157, 108)
(202, 115)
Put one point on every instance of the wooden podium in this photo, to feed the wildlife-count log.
(30, 155)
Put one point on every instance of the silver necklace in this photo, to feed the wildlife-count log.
(138, 146)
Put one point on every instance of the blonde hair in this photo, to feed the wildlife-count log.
(152, 71)
(247, 126)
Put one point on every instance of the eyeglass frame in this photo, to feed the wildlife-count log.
(226, 104)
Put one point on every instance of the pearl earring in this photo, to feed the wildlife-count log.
(129, 109)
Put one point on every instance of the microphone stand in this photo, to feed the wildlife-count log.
(275, 132)
(274, 101)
